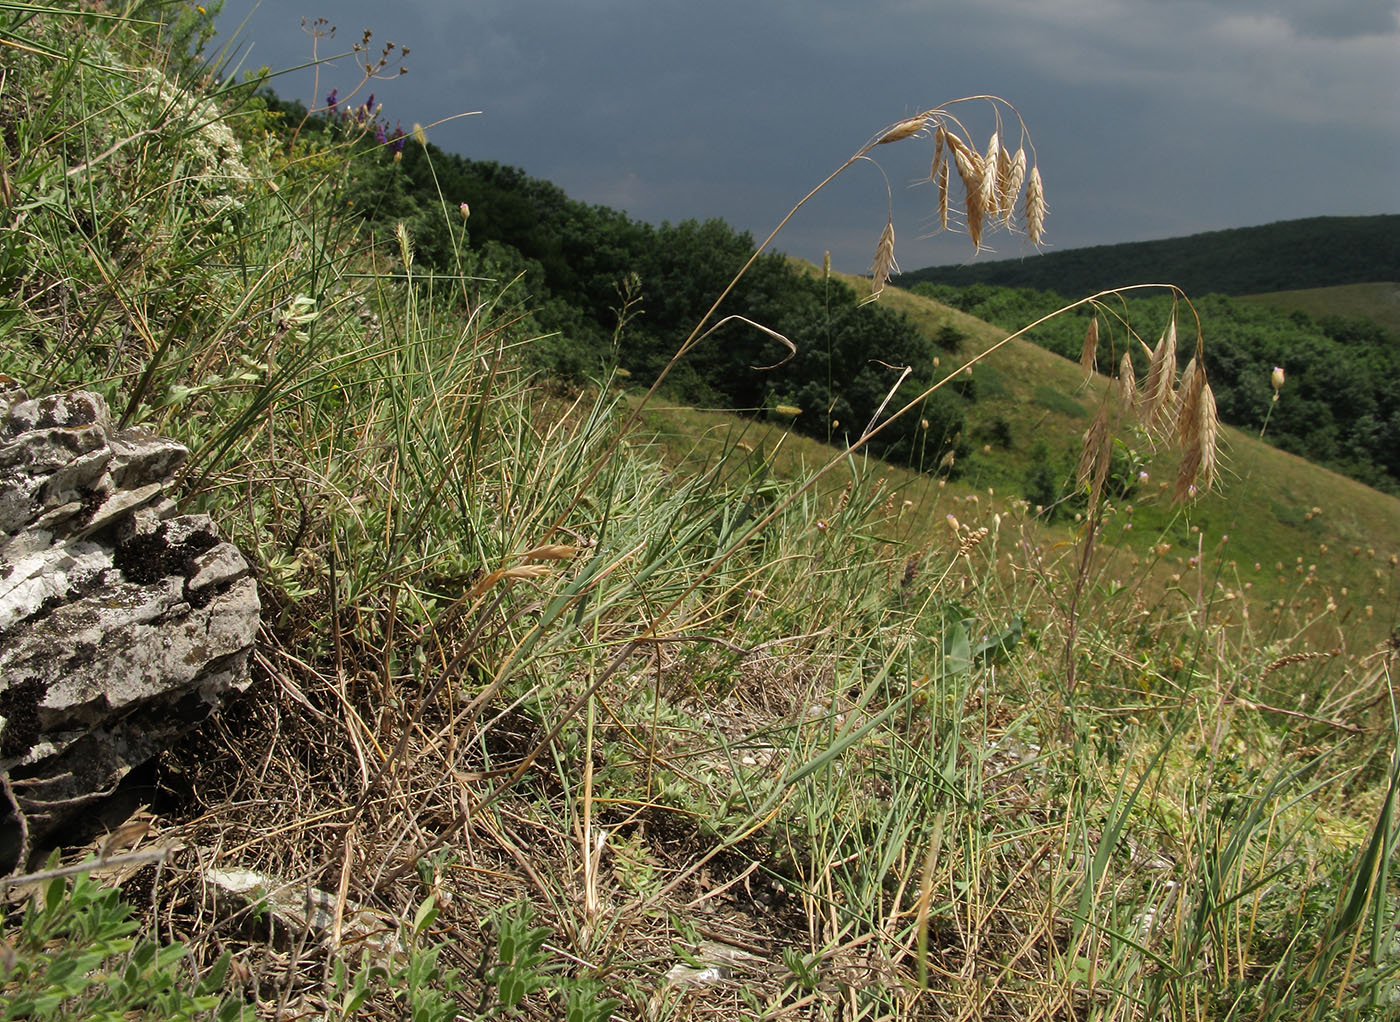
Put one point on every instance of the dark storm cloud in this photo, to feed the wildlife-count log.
(1151, 117)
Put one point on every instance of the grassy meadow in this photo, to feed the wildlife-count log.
(573, 702)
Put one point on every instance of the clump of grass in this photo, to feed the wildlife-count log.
(733, 718)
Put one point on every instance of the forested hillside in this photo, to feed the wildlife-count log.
(1343, 373)
(606, 290)
(1315, 252)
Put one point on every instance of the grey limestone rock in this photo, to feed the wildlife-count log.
(122, 623)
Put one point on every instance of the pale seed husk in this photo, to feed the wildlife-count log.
(906, 128)
(1035, 207)
(1088, 354)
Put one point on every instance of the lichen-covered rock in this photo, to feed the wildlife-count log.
(122, 623)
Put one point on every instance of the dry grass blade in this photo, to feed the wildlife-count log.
(1035, 207)
(884, 263)
(1089, 353)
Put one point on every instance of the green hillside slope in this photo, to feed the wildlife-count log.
(1314, 252)
(1377, 302)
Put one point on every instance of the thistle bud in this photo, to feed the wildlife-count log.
(1276, 378)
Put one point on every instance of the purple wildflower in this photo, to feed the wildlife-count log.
(379, 135)
(331, 101)
(396, 140)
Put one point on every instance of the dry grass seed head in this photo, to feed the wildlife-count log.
(939, 142)
(884, 263)
(970, 170)
(1161, 377)
(904, 129)
(1089, 353)
(1188, 392)
(1210, 436)
(1127, 385)
(1036, 209)
(943, 197)
(988, 194)
(1011, 182)
(1095, 454)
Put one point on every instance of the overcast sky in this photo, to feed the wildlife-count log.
(1151, 118)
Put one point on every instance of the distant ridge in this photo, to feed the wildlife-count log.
(1319, 251)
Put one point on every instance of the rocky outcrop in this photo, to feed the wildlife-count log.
(122, 623)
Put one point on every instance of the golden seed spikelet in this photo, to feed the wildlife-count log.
(906, 128)
(1095, 455)
(988, 197)
(939, 141)
(1011, 183)
(1003, 179)
(1035, 207)
(884, 263)
(1188, 392)
(1161, 377)
(943, 197)
(1088, 354)
(1210, 436)
(1127, 385)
